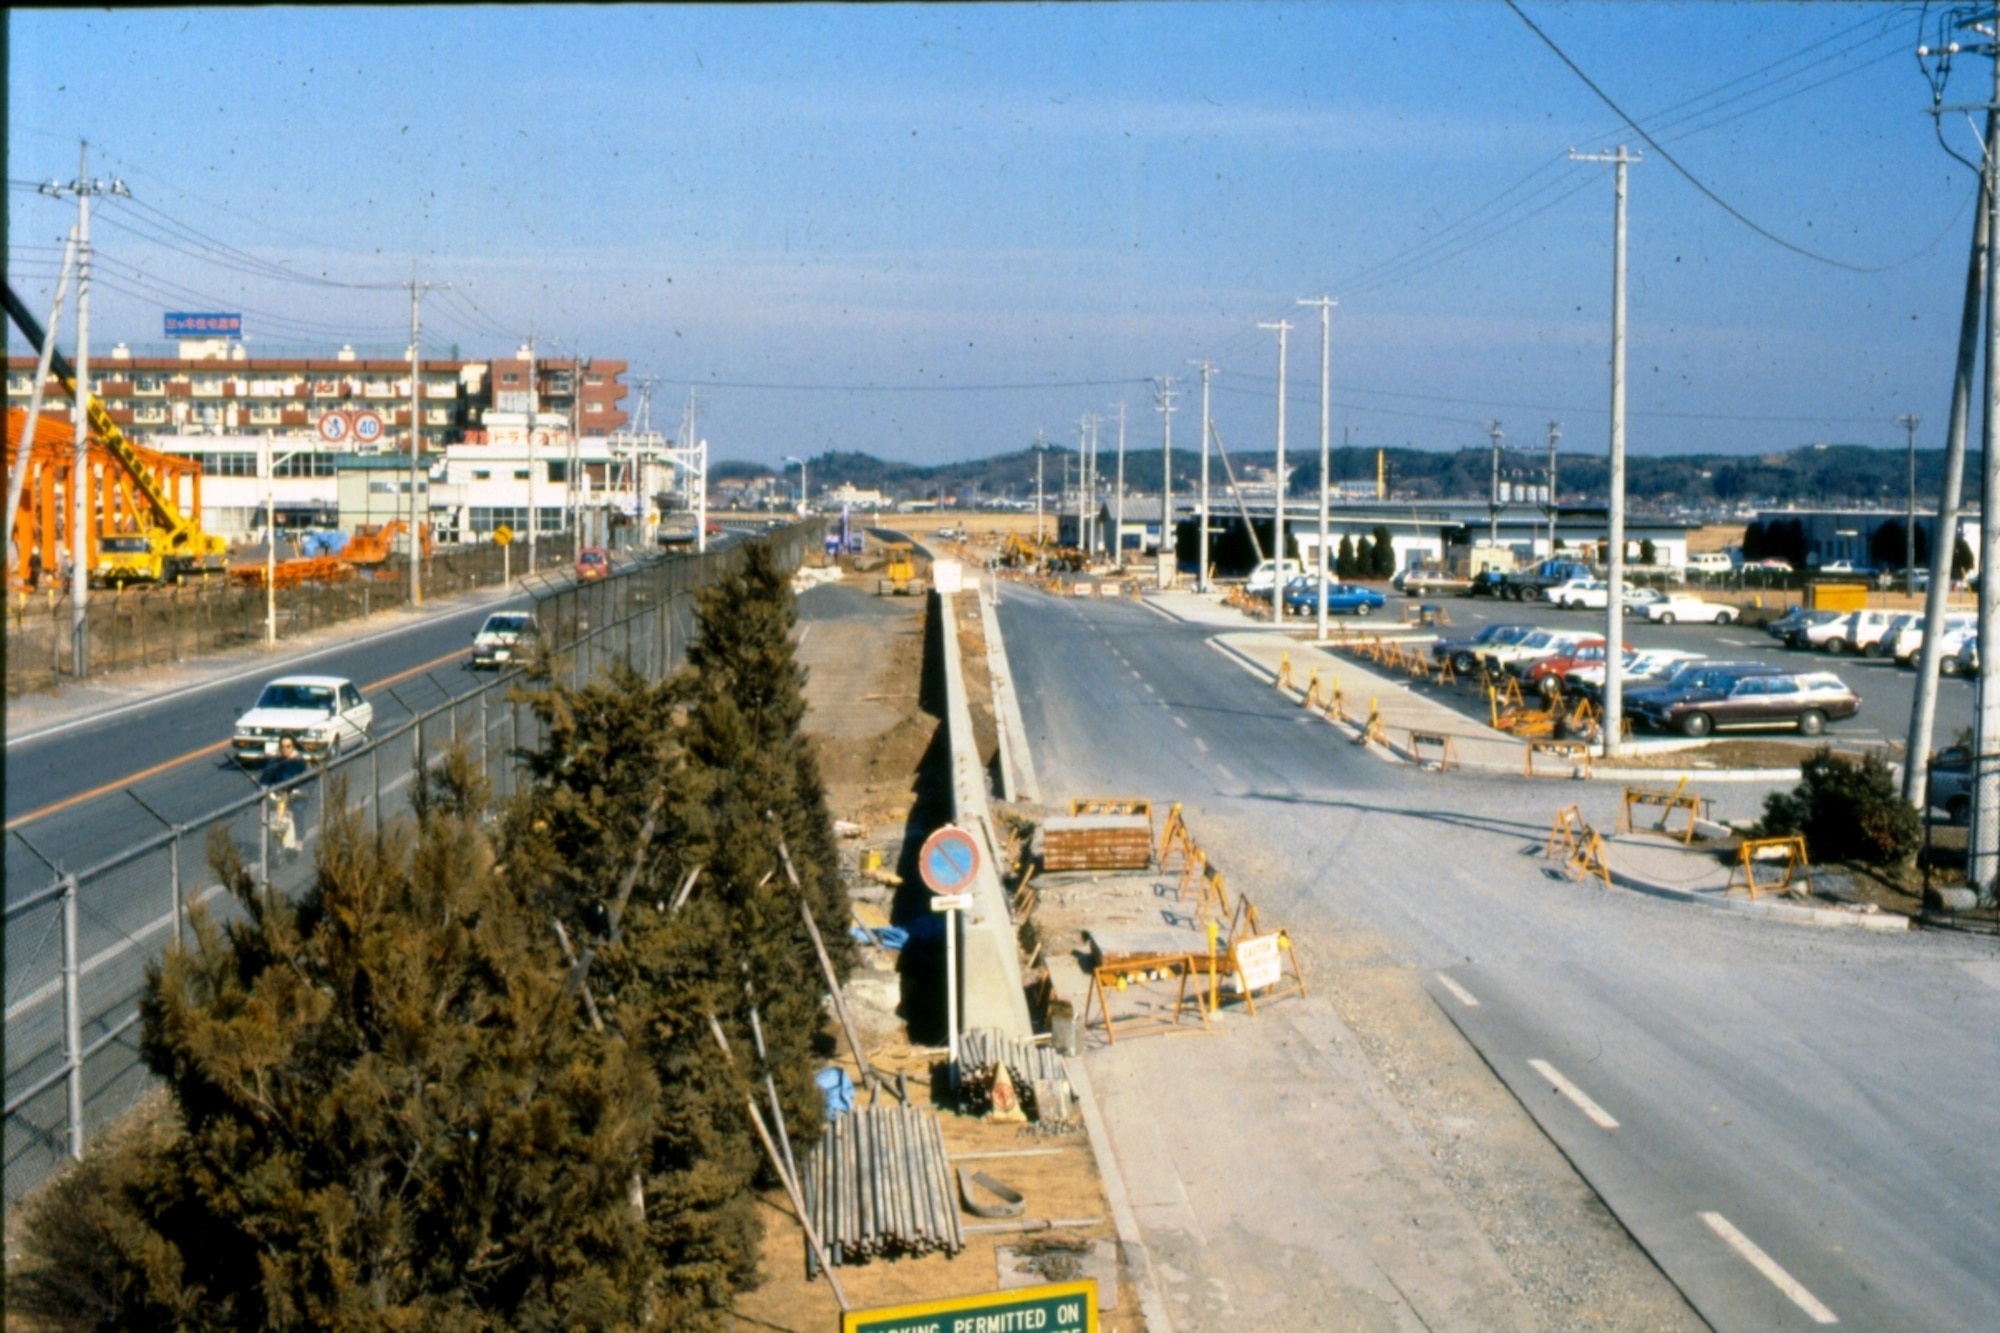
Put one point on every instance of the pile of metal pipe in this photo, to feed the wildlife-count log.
(981, 1052)
(878, 1185)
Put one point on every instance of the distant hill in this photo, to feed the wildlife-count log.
(1817, 475)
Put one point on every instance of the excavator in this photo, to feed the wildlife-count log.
(173, 547)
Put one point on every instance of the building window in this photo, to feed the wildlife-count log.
(510, 378)
(593, 406)
(228, 465)
(558, 471)
(520, 474)
(482, 474)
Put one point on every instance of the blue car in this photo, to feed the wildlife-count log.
(1302, 598)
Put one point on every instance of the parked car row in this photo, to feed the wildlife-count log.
(1663, 689)
(1880, 633)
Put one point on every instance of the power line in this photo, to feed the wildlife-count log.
(1690, 177)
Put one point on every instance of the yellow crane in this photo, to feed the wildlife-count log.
(170, 549)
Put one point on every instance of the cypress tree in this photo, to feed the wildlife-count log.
(1364, 557)
(612, 804)
(746, 703)
(1384, 563)
(1343, 560)
(392, 1113)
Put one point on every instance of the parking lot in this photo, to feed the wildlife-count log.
(1887, 690)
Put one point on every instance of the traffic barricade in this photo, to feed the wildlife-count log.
(1146, 1013)
(1577, 753)
(1667, 800)
(1789, 850)
(1446, 753)
(1578, 846)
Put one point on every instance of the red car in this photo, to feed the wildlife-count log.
(1548, 674)
(592, 563)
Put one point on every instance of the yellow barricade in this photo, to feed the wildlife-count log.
(1791, 850)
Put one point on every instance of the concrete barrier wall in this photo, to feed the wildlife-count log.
(992, 995)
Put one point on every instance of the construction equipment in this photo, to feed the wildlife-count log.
(170, 548)
(899, 576)
(372, 542)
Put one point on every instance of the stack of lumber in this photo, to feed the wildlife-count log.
(1097, 842)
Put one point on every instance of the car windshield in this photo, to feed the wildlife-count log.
(285, 695)
(507, 624)
(122, 544)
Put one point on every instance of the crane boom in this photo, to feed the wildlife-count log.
(181, 531)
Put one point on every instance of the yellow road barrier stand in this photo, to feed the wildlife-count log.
(1312, 699)
(1336, 703)
(1576, 752)
(1284, 671)
(1176, 838)
(1447, 752)
(1792, 850)
(1668, 801)
(1376, 730)
(1121, 976)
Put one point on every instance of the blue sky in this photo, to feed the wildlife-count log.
(926, 232)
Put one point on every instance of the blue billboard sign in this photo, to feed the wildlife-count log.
(191, 324)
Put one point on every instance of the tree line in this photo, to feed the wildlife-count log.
(494, 1068)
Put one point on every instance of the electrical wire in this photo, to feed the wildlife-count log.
(1700, 185)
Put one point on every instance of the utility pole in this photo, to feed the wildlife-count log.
(1164, 398)
(1614, 612)
(534, 464)
(1278, 509)
(1555, 433)
(1041, 447)
(1493, 496)
(1326, 305)
(1951, 489)
(84, 188)
(418, 517)
(1983, 844)
(1118, 505)
(1201, 540)
(1909, 422)
(25, 448)
(1083, 484)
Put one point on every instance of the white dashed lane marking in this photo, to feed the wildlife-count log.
(1794, 1290)
(1598, 1115)
(1459, 992)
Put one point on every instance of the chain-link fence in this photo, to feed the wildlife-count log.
(78, 942)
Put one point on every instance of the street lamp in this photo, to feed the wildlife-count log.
(802, 481)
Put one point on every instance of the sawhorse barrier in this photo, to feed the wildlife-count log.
(1577, 753)
(1120, 976)
(1668, 800)
(1578, 846)
(1446, 752)
(1791, 850)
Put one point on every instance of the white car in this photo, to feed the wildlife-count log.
(1595, 595)
(1958, 654)
(1681, 607)
(1261, 577)
(322, 714)
(1909, 639)
(1649, 667)
(508, 638)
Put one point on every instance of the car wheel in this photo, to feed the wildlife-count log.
(1362, 609)
(1812, 722)
(1551, 687)
(1725, 617)
(1697, 724)
(1959, 810)
(1666, 617)
(1464, 663)
(1836, 645)
(1949, 666)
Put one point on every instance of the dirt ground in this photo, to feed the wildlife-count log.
(869, 710)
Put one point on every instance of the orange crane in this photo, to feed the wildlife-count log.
(169, 548)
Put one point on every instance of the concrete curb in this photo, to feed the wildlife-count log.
(1794, 913)
(991, 977)
(1131, 1241)
(1017, 763)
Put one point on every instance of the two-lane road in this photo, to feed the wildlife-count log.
(1801, 1119)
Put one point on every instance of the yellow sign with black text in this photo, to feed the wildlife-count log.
(1062, 1307)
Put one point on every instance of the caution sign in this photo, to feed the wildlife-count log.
(502, 535)
(1063, 1307)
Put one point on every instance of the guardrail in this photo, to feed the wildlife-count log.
(78, 943)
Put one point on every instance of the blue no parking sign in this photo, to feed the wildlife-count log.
(949, 860)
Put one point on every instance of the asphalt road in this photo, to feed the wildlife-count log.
(170, 753)
(1801, 1120)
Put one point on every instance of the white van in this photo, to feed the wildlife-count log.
(1260, 577)
(1710, 562)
